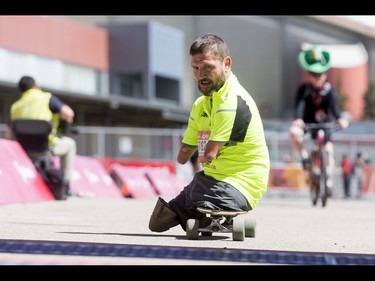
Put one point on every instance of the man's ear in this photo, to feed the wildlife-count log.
(227, 62)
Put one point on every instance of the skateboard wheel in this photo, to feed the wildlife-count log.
(250, 226)
(238, 229)
(192, 229)
(206, 233)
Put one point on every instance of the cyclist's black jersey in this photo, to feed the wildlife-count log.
(316, 106)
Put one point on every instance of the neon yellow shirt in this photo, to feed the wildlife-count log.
(34, 104)
(231, 116)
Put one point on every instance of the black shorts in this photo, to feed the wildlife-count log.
(328, 134)
(206, 192)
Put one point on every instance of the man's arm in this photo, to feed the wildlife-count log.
(299, 102)
(212, 150)
(67, 113)
(343, 123)
(185, 153)
(57, 106)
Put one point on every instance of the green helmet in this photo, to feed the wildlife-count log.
(314, 60)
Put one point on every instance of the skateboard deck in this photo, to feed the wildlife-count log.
(222, 222)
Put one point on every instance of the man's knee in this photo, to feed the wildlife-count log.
(71, 144)
(163, 217)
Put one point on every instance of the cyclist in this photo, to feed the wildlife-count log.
(316, 101)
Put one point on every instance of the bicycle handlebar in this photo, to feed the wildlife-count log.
(324, 126)
(66, 128)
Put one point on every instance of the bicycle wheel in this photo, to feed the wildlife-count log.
(314, 190)
(314, 178)
(323, 177)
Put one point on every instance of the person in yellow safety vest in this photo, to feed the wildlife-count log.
(35, 103)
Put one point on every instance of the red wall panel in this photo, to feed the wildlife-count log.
(56, 37)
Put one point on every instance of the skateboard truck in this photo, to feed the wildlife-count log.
(222, 222)
(218, 226)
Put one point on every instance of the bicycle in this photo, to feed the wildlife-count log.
(318, 161)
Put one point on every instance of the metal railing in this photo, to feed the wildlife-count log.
(163, 144)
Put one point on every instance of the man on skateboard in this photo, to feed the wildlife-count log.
(226, 128)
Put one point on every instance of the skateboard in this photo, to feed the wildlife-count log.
(222, 222)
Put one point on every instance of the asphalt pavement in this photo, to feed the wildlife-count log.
(90, 231)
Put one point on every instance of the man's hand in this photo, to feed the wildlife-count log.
(299, 123)
(343, 123)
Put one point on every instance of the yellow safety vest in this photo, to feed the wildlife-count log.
(34, 104)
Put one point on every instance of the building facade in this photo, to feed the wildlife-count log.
(134, 71)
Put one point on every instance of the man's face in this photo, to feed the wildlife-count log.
(317, 80)
(209, 73)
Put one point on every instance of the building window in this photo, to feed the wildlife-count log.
(167, 89)
(131, 85)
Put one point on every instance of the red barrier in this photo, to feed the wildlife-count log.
(164, 182)
(19, 179)
(90, 179)
(107, 163)
(289, 176)
(132, 181)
